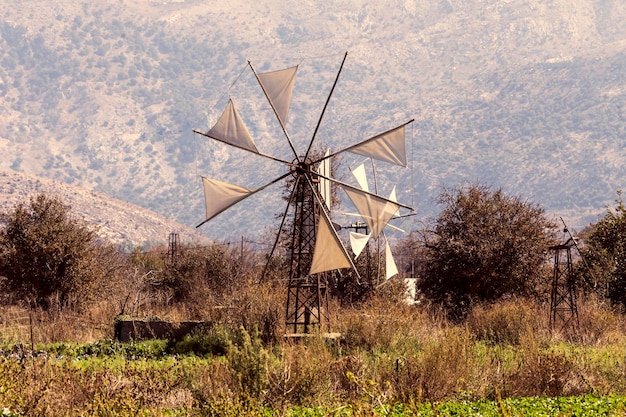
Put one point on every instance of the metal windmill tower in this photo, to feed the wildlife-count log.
(563, 303)
(315, 249)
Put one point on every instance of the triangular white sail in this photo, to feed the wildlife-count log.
(231, 129)
(324, 184)
(329, 253)
(393, 197)
(278, 86)
(390, 265)
(376, 211)
(218, 196)
(358, 241)
(388, 146)
(361, 178)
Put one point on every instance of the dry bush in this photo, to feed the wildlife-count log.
(212, 384)
(21, 325)
(382, 322)
(541, 372)
(451, 365)
(406, 353)
(262, 307)
(304, 373)
(599, 323)
(506, 321)
(257, 306)
(604, 370)
(59, 388)
(446, 365)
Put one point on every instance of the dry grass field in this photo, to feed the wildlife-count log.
(390, 354)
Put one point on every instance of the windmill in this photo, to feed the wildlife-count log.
(315, 248)
(360, 241)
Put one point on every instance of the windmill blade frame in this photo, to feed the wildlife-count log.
(239, 147)
(371, 140)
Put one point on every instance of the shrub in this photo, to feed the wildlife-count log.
(215, 341)
(541, 372)
(249, 362)
(44, 252)
(506, 321)
(605, 253)
(484, 245)
(201, 270)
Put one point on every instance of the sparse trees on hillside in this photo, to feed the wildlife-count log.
(44, 252)
(484, 245)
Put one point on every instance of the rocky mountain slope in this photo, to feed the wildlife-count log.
(525, 94)
(115, 221)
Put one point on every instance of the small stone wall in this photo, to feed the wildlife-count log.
(127, 330)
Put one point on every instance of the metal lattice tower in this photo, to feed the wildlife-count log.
(360, 227)
(173, 247)
(307, 297)
(563, 308)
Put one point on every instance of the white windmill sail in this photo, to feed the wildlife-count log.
(218, 196)
(393, 197)
(231, 129)
(361, 178)
(278, 86)
(376, 211)
(324, 184)
(388, 146)
(358, 241)
(390, 265)
(329, 253)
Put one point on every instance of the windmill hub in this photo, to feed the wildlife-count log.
(303, 167)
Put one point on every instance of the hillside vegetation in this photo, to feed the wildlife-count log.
(527, 95)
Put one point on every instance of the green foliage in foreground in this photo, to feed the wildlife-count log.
(215, 342)
(583, 406)
(530, 407)
(153, 379)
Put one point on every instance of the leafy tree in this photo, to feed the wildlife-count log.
(46, 252)
(484, 245)
(605, 253)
